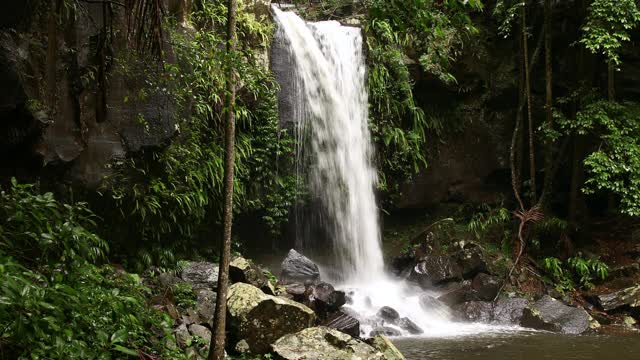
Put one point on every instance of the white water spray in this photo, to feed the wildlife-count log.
(330, 111)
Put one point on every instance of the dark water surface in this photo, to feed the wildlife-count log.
(521, 346)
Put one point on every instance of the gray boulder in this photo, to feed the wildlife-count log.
(167, 280)
(629, 297)
(386, 347)
(201, 275)
(297, 268)
(509, 310)
(206, 305)
(246, 271)
(409, 326)
(475, 311)
(471, 260)
(261, 319)
(436, 270)
(343, 322)
(327, 299)
(201, 332)
(458, 293)
(388, 314)
(486, 286)
(323, 343)
(385, 330)
(296, 292)
(552, 315)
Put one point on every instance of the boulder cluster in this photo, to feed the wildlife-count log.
(469, 292)
(296, 317)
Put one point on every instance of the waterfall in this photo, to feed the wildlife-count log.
(327, 103)
(331, 116)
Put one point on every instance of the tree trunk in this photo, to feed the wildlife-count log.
(532, 161)
(611, 95)
(216, 351)
(548, 160)
(516, 149)
(611, 91)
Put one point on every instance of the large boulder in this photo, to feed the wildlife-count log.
(509, 310)
(297, 268)
(386, 347)
(343, 322)
(205, 306)
(261, 319)
(629, 297)
(323, 343)
(475, 311)
(246, 271)
(385, 330)
(486, 286)
(201, 275)
(326, 299)
(552, 315)
(458, 293)
(471, 260)
(388, 314)
(409, 326)
(436, 270)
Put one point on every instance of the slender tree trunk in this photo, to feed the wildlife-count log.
(517, 140)
(52, 54)
(611, 90)
(216, 351)
(548, 160)
(532, 158)
(611, 95)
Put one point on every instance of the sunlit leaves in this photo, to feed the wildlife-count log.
(615, 165)
(608, 26)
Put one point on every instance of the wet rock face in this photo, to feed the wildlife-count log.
(458, 293)
(261, 319)
(388, 314)
(471, 260)
(486, 286)
(386, 347)
(326, 299)
(344, 323)
(509, 310)
(407, 325)
(385, 330)
(435, 270)
(475, 311)
(323, 343)
(431, 304)
(552, 315)
(297, 268)
(201, 275)
(629, 297)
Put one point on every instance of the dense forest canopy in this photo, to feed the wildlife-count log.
(112, 126)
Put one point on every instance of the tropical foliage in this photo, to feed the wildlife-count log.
(56, 301)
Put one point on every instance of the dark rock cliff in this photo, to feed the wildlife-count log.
(91, 121)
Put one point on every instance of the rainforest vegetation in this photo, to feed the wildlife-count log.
(551, 84)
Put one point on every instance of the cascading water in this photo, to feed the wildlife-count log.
(330, 111)
(331, 119)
